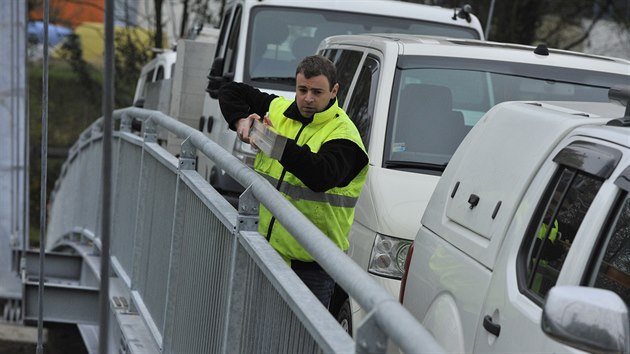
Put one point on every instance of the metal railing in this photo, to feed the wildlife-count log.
(192, 274)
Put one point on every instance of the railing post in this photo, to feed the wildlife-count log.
(187, 157)
(96, 130)
(149, 134)
(186, 162)
(247, 220)
(125, 123)
(370, 338)
(149, 131)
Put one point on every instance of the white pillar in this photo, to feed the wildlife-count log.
(13, 141)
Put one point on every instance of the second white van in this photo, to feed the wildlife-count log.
(414, 99)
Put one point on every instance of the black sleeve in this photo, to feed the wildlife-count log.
(238, 100)
(335, 165)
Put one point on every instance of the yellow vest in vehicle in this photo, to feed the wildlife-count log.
(331, 211)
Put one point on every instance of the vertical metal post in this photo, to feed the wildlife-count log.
(15, 132)
(26, 197)
(108, 107)
(247, 211)
(42, 189)
(489, 20)
(370, 338)
(126, 122)
(188, 154)
(247, 220)
(149, 131)
(12, 137)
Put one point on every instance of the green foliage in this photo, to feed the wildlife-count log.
(130, 55)
(72, 107)
(74, 102)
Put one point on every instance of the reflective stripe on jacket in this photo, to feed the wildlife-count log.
(331, 211)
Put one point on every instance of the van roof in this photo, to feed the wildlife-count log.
(408, 44)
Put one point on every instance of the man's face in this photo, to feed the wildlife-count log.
(312, 95)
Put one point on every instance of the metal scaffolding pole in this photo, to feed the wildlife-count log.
(42, 204)
(489, 21)
(108, 107)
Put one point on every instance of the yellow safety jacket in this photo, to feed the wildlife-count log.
(331, 211)
(552, 234)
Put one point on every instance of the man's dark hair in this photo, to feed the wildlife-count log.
(316, 65)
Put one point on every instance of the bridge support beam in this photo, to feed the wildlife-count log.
(62, 303)
(69, 292)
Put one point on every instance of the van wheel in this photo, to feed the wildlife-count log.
(344, 317)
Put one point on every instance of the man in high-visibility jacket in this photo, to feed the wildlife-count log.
(320, 169)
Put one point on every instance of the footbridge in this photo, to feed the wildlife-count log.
(189, 273)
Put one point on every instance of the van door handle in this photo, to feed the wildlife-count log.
(491, 326)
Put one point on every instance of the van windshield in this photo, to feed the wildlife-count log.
(279, 37)
(436, 101)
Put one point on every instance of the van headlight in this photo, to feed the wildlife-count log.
(388, 256)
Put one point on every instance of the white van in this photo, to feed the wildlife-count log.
(159, 68)
(528, 233)
(261, 42)
(414, 99)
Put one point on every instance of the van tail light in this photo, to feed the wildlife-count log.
(403, 281)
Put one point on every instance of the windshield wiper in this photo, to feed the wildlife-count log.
(288, 80)
(415, 165)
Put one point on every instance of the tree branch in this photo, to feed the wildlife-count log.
(586, 33)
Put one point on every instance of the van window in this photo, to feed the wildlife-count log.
(361, 105)
(613, 272)
(437, 100)
(583, 167)
(160, 73)
(224, 32)
(147, 79)
(612, 262)
(346, 62)
(550, 241)
(232, 43)
(279, 37)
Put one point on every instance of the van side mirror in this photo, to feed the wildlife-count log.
(589, 319)
(216, 79)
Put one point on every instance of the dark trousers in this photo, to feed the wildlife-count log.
(316, 279)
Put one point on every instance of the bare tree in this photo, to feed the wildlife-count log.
(559, 24)
(158, 40)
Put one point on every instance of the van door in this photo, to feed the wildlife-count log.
(547, 244)
(357, 75)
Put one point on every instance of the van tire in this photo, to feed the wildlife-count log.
(344, 316)
(340, 308)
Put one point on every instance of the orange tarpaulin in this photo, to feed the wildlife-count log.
(71, 13)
